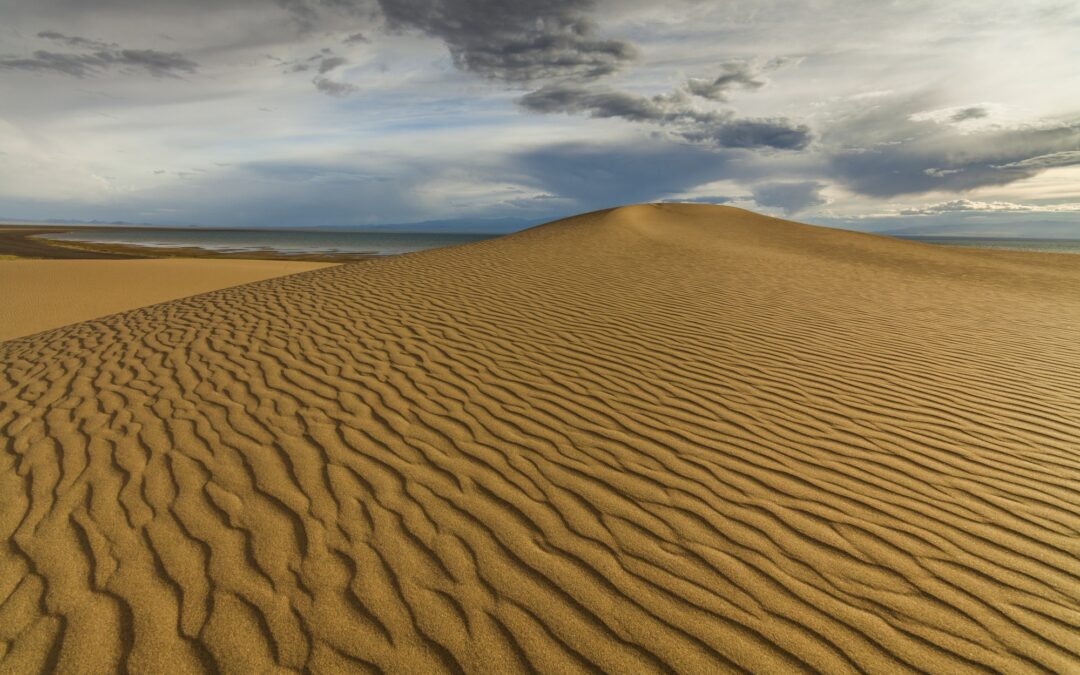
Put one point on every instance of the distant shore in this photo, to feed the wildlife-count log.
(21, 241)
(32, 241)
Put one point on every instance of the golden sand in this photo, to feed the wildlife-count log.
(657, 438)
(36, 295)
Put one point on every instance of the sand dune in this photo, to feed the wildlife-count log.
(657, 438)
(41, 294)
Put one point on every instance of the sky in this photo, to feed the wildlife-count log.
(949, 116)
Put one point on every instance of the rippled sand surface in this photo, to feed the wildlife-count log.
(654, 439)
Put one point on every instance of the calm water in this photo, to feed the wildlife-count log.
(1008, 244)
(277, 241)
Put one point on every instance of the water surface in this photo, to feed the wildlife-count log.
(284, 242)
(1005, 243)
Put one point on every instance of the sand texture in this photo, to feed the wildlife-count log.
(36, 295)
(654, 439)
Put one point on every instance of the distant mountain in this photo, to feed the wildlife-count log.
(62, 221)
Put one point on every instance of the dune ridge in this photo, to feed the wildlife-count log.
(652, 439)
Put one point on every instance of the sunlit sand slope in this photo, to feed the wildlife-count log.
(658, 438)
(37, 295)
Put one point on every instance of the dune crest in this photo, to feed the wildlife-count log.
(662, 437)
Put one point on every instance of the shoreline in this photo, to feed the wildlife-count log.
(137, 251)
(33, 242)
(21, 242)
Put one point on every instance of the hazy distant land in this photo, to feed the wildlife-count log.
(266, 244)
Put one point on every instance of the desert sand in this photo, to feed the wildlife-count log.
(36, 295)
(655, 438)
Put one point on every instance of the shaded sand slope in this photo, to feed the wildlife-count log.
(36, 295)
(658, 438)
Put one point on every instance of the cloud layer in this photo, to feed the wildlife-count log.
(842, 111)
(717, 129)
(519, 41)
(96, 57)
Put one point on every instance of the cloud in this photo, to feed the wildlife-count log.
(933, 113)
(522, 41)
(103, 57)
(792, 197)
(735, 75)
(324, 62)
(884, 150)
(158, 64)
(967, 206)
(940, 173)
(329, 63)
(570, 98)
(718, 129)
(778, 132)
(1050, 161)
(718, 199)
(972, 113)
(72, 41)
(333, 88)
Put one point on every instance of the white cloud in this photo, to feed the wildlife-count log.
(1049, 161)
(968, 206)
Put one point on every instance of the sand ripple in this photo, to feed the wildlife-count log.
(650, 440)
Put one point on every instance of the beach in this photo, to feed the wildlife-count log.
(655, 438)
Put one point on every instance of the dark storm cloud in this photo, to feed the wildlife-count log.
(778, 133)
(520, 41)
(792, 197)
(718, 129)
(594, 102)
(884, 152)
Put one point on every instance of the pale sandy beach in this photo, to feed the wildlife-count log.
(659, 438)
(41, 294)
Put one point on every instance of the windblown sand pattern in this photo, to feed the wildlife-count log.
(660, 438)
